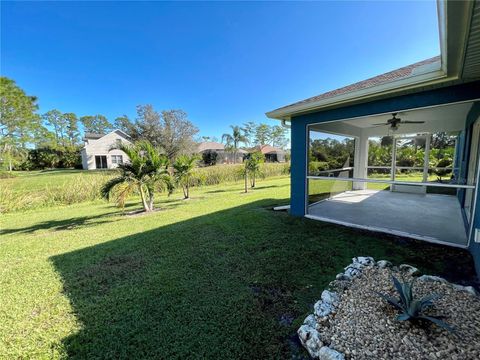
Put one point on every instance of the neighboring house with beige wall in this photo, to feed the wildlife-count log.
(99, 151)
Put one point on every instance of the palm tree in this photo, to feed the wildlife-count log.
(253, 166)
(233, 140)
(183, 168)
(146, 171)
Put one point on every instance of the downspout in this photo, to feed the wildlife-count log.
(284, 124)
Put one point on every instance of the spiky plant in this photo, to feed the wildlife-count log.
(145, 170)
(412, 309)
(183, 168)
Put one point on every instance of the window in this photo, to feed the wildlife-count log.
(117, 159)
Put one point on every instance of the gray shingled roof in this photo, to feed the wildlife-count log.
(390, 76)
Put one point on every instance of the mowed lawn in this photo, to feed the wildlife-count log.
(220, 276)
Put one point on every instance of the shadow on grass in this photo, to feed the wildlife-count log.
(64, 224)
(230, 284)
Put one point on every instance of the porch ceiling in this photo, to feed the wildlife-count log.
(449, 118)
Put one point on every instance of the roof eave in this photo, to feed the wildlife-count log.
(370, 93)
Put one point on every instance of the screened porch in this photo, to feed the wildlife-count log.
(400, 173)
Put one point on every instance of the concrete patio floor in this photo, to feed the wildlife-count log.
(430, 217)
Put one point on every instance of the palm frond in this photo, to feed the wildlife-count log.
(110, 185)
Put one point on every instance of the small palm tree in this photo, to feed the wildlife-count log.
(253, 166)
(233, 140)
(183, 168)
(146, 171)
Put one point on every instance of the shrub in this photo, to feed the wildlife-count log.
(444, 163)
(315, 167)
(210, 157)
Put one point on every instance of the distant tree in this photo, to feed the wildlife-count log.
(54, 118)
(126, 125)
(171, 130)
(183, 169)
(233, 140)
(262, 134)
(71, 124)
(177, 132)
(45, 138)
(146, 171)
(249, 129)
(18, 120)
(441, 140)
(278, 136)
(148, 125)
(98, 124)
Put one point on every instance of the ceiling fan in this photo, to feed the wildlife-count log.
(394, 122)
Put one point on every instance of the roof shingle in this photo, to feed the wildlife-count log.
(390, 76)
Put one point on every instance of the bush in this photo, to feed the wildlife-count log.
(209, 157)
(314, 167)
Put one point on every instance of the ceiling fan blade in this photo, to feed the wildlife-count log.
(380, 124)
(413, 122)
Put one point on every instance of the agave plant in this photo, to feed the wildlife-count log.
(412, 309)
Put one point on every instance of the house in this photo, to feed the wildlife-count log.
(99, 150)
(221, 155)
(441, 94)
(272, 154)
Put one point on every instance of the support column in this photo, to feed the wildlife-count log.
(361, 161)
(298, 171)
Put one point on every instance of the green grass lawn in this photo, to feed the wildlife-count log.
(219, 276)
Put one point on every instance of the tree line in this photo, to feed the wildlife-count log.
(29, 140)
(253, 134)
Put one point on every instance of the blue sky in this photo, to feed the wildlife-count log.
(222, 62)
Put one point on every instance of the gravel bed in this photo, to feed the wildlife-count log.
(364, 326)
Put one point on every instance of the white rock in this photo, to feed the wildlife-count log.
(382, 264)
(322, 309)
(310, 339)
(343, 276)
(330, 297)
(431, 278)
(352, 272)
(468, 289)
(355, 265)
(304, 332)
(409, 269)
(364, 260)
(327, 353)
(310, 321)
